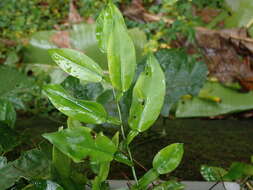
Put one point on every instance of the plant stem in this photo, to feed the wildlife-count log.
(124, 137)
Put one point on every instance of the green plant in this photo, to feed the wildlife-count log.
(240, 172)
(77, 143)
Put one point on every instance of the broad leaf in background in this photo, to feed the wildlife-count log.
(82, 37)
(77, 64)
(13, 83)
(7, 113)
(76, 88)
(170, 185)
(231, 101)
(210, 173)
(56, 74)
(9, 138)
(82, 110)
(78, 143)
(183, 76)
(241, 14)
(32, 164)
(148, 96)
(168, 159)
(121, 58)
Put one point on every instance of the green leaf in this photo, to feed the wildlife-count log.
(184, 75)
(115, 139)
(147, 179)
(122, 158)
(12, 81)
(9, 138)
(85, 111)
(170, 185)
(73, 123)
(82, 37)
(167, 159)
(238, 171)
(78, 143)
(210, 173)
(240, 13)
(77, 64)
(32, 164)
(148, 96)
(56, 74)
(121, 58)
(86, 91)
(7, 113)
(105, 23)
(102, 175)
(232, 101)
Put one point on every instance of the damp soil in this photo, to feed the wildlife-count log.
(212, 142)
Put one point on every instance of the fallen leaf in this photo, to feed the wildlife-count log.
(74, 16)
(222, 50)
(61, 39)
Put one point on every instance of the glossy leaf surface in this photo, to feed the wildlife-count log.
(167, 159)
(82, 37)
(148, 96)
(122, 158)
(210, 173)
(78, 143)
(105, 22)
(121, 58)
(85, 111)
(77, 64)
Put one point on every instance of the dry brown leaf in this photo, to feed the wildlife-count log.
(207, 14)
(222, 50)
(61, 39)
(74, 16)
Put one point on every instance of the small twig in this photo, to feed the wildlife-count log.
(213, 185)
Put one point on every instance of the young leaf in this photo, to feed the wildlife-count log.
(77, 64)
(105, 22)
(167, 159)
(148, 96)
(121, 58)
(78, 143)
(85, 111)
(210, 173)
(120, 157)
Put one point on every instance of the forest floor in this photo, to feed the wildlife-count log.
(212, 142)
